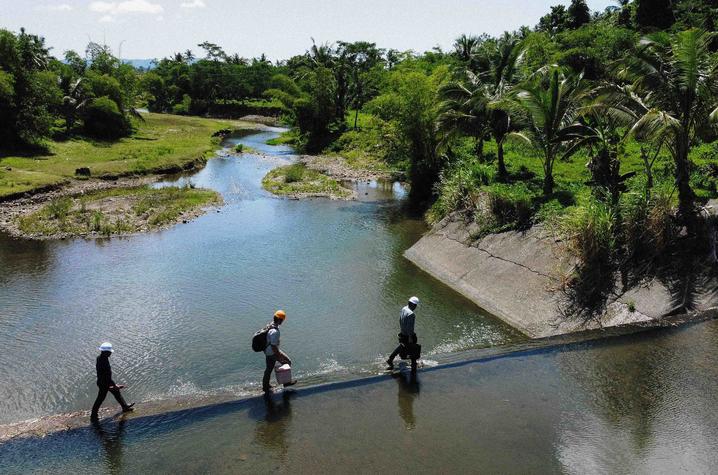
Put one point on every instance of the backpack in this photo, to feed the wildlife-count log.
(259, 340)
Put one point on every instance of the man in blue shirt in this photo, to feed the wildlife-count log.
(406, 333)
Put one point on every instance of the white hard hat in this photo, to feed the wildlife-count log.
(106, 346)
(414, 300)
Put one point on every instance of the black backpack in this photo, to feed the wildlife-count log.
(259, 340)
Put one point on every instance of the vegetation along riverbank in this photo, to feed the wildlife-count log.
(596, 128)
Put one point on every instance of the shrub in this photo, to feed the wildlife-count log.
(239, 148)
(59, 208)
(589, 230)
(103, 119)
(510, 205)
(294, 173)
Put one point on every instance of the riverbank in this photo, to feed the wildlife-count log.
(621, 415)
(161, 145)
(111, 212)
(297, 181)
(521, 277)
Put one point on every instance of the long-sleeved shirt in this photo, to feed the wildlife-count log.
(104, 372)
(406, 321)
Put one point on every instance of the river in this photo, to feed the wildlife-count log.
(181, 305)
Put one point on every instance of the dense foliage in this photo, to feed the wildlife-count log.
(41, 96)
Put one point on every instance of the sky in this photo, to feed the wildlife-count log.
(145, 29)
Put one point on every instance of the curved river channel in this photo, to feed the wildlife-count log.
(181, 305)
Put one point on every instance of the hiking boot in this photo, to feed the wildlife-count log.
(129, 408)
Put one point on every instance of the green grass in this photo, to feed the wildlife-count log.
(115, 211)
(288, 137)
(297, 180)
(164, 142)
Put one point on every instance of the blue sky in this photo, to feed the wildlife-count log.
(279, 28)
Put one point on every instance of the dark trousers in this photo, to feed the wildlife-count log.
(271, 361)
(102, 394)
(403, 339)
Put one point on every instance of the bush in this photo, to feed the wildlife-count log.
(510, 205)
(103, 119)
(59, 208)
(239, 148)
(589, 231)
(294, 173)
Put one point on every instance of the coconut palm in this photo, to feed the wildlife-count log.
(73, 102)
(464, 111)
(552, 101)
(498, 62)
(465, 46)
(674, 95)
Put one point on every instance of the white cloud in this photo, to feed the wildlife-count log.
(193, 4)
(107, 19)
(128, 6)
(61, 7)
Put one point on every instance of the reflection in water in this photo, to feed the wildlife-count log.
(272, 426)
(110, 436)
(408, 393)
(222, 274)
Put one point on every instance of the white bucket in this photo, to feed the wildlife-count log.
(283, 374)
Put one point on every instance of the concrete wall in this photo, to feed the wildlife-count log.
(518, 277)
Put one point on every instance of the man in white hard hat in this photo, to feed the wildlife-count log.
(105, 383)
(406, 333)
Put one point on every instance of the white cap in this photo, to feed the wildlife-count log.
(106, 346)
(414, 300)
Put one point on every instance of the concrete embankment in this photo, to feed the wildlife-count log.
(519, 277)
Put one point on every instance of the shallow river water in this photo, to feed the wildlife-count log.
(181, 305)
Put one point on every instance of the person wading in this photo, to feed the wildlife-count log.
(105, 382)
(407, 337)
(272, 353)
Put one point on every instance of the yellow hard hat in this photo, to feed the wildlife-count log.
(280, 314)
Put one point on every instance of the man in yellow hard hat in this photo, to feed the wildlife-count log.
(272, 353)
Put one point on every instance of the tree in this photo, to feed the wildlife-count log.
(578, 14)
(28, 89)
(674, 94)
(654, 14)
(554, 22)
(552, 102)
(465, 46)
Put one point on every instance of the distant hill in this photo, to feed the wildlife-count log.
(140, 63)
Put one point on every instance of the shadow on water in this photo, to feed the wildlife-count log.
(110, 435)
(408, 393)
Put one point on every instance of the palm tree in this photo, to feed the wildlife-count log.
(500, 60)
(73, 101)
(674, 94)
(464, 111)
(552, 102)
(464, 47)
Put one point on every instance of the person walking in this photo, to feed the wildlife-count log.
(272, 353)
(105, 383)
(407, 337)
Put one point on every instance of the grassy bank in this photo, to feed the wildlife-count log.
(299, 181)
(116, 211)
(161, 143)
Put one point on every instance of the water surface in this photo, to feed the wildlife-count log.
(642, 403)
(181, 305)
